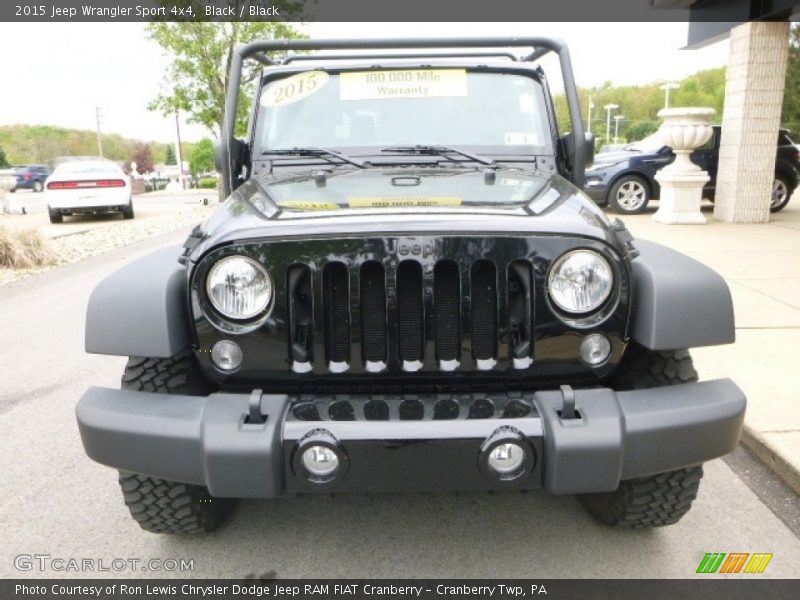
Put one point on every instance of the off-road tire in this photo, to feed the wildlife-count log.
(160, 505)
(647, 502)
(660, 499)
(642, 368)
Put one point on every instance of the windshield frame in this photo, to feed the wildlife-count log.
(516, 152)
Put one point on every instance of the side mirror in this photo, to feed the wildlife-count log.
(228, 162)
(568, 142)
(219, 159)
(589, 152)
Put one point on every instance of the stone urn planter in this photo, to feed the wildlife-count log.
(682, 181)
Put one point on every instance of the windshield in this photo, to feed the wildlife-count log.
(497, 112)
(652, 143)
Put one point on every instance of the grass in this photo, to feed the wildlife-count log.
(23, 249)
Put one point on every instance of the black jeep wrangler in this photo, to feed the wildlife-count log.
(407, 290)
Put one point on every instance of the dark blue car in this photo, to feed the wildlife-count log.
(625, 178)
(31, 177)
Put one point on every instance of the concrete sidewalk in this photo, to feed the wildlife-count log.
(761, 264)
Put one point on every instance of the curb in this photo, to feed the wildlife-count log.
(785, 470)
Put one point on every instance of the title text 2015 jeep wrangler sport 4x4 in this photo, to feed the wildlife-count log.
(407, 290)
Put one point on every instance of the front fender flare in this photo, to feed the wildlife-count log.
(141, 309)
(677, 301)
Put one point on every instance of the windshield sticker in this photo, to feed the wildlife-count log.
(307, 205)
(407, 83)
(521, 138)
(390, 201)
(294, 88)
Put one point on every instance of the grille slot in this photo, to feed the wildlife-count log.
(483, 297)
(447, 310)
(301, 316)
(336, 307)
(410, 312)
(519, 291)
(373, 311)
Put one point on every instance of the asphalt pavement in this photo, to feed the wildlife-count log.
(57, 502)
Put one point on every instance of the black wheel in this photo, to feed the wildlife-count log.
(160, 505)
(629, 195)
(781, 193)
(38, 186)
(660, 499)
(127, 211)
(54, 216)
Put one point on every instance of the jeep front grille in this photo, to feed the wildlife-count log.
(438, 316)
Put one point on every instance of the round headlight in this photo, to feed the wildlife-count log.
(580, 281)
(239, 287)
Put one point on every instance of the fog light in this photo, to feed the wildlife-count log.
(595, 349)
(506, 458)
(226, 355)
(320, 461)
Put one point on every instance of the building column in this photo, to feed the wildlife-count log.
(754, 85)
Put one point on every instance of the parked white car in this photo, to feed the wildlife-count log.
(88, 187)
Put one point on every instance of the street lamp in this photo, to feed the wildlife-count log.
(617, 119)
(670, 85)
(609, 108)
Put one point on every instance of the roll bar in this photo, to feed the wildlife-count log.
(539, 47)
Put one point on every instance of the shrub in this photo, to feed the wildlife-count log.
(23, 249)
(209, 183)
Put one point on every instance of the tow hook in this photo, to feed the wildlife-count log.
(567, 411)
(256, 417)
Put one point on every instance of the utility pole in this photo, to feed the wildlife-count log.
(99, 139)
(589, 123)
(617, 119)
(670, 85)
(609, 108)
(179, 152)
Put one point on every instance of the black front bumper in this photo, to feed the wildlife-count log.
(217, 440)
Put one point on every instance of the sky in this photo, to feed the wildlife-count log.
(58, 73)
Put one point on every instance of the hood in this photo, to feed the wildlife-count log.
(378, 201)
(610, 158)
(400, 188)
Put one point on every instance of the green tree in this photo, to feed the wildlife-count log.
(3, 160)
(639, 104)
(202, 157)
(790, 116)
(201, 55)
(640, 129)
(170, 156)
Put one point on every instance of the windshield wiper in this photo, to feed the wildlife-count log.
(323, 153)
(442, 151)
